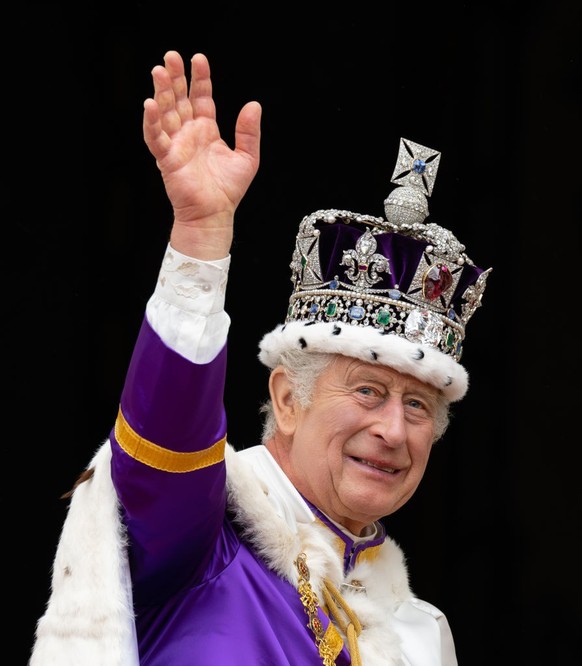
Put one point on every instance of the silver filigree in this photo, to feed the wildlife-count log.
(473, 296)
(305, 265)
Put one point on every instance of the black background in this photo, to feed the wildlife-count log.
(493, 534)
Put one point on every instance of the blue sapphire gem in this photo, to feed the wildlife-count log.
(333, 284)
(451, 314)
(394, 294)
(419, 166)
(356, 312)
(314, 309)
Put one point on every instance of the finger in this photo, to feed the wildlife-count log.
(175, 68)
(155, 138)
(165, 99)
(247, 134)
(201, 88)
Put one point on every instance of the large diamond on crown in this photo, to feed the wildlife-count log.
(424, 327)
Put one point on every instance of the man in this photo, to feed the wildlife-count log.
(179, 550)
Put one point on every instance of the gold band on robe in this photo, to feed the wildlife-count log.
(157, 457)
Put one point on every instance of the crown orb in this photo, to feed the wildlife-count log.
(406, 205)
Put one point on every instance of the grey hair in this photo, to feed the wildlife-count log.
(304, 369)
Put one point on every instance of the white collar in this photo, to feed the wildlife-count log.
(280, 492)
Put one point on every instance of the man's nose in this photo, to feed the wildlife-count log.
(390, 423)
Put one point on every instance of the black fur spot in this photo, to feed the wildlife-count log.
(373, 355)
(419, 355)
(302, 343)
(336, 330)
(449, 381)
(310, 323)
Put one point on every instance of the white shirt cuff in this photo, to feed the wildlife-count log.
(187, 307)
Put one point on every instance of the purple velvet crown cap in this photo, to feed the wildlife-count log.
(395, 291)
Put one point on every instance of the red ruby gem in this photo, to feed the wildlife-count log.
(436, 281)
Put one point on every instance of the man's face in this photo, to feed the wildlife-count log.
(361, 448)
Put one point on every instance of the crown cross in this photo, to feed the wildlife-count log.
(416, 166)
(364, 262)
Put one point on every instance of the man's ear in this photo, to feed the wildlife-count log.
(284, 405)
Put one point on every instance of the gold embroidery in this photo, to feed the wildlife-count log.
(159, 458)
(369, 554)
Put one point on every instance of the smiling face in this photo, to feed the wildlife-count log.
(359, 451)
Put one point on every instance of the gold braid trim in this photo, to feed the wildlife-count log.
(159, 458)
(353, 628)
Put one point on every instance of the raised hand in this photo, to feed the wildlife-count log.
(204, 178)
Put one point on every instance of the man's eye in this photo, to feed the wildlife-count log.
(417, 404)
(366, 390)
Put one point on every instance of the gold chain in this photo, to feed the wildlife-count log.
(310, 604)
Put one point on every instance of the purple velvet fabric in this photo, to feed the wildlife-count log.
(201, 595)
(403, 252)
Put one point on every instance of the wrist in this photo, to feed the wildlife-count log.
(202, 242)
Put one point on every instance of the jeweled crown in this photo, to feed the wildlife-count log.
(399, 274)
